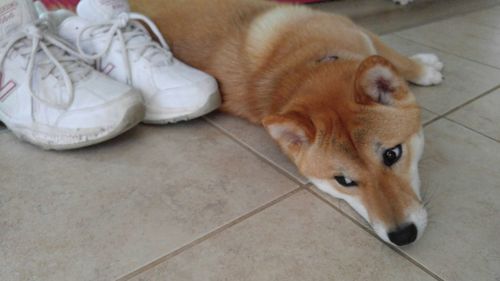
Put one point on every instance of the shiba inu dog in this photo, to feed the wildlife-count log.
(331, 94)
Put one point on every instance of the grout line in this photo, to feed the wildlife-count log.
(370, 231)
(278, 168)
(355, 221)
(470, 101)
(210, 234)
(428, 122)
(469, 128)
(445, 115)
(425, 108)
(432, 121)
(443, 51)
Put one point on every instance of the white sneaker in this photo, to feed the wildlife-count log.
(106, 30)
(47, 95)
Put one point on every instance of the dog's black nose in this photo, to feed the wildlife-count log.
(403, 235)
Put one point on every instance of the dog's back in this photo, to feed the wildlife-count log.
(198, 30)
(251, 45)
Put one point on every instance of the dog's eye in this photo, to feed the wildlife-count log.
(328, 58)
(345, 181)
(392, 155)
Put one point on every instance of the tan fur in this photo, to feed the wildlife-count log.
(270, 62)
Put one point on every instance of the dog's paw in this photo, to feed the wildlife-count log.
(429, 59)
(430, 76)
(402, 2)
(431, 69)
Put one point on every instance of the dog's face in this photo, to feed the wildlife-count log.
(354, 130)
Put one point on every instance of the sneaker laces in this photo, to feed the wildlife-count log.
(58, 57)
(132, 36)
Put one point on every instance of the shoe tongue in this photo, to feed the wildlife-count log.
(14, 15)
(99, 10)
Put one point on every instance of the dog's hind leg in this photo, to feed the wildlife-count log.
(421, 69)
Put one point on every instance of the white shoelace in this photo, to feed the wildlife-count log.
(131, 36)
(60, 57)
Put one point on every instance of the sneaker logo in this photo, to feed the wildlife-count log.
(108, 68)
(6, 89)
(117, 5)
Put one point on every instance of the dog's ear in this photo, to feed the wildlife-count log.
(292, 131)
(378, 81)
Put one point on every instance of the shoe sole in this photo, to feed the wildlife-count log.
(131, 118)
(213, 102)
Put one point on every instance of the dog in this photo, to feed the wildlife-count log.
(330, 93)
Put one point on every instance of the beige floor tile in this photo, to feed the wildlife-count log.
(100, 213)
(464, 79)
(482, 115)
(489, 17)
(358, 8)
(464, 36)
(383, 16)
(300, 238)
(427, 115)
(257, 138)
(459, 172)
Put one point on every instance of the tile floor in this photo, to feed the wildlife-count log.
(214, 199)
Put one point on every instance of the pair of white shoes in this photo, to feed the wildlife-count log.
(51, 97)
